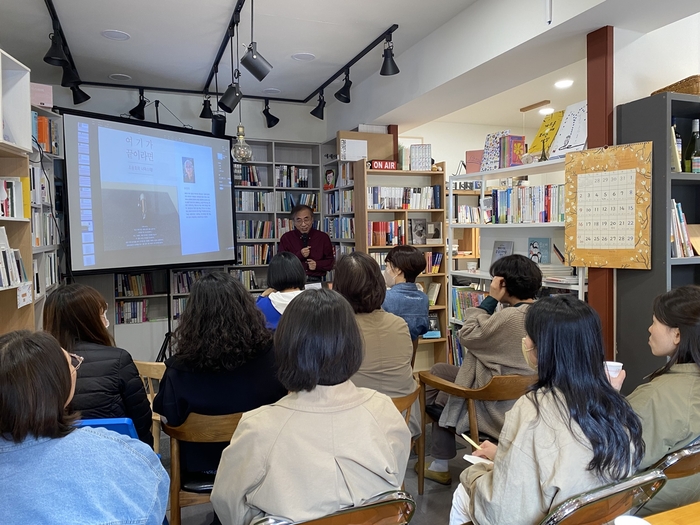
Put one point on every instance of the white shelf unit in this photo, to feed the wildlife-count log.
(340, 217)
(269, 157)
(15, 116)
(550, 172)
(45, 226)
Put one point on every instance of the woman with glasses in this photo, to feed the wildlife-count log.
(573, 432)
(52, 472)
(311, 246)
(108, 383)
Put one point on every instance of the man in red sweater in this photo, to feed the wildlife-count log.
(311, 246)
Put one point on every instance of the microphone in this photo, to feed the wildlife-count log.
(305, 239)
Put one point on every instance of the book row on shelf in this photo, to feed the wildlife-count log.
(181, 281)
(178, 306)
(393, 233)
(12, 271)
(37, 186)
(455, 355)
(525, 204)
(342, 249)
(251, 229)
(287, 200)
(255, 201)
(433, 260)
(403, 198)
(246, 175)
(255, 254)
(247, 278)
(43, 228)
(464, 297)
(11, 201)
(131, 285)
(46, 132)
(339, 227)
(337, 202)
(131, 312)
(293, 177)
(50, 273)
(683, 235)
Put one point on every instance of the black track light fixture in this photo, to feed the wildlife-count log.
(206, 108)
(270, 119)
(232, 95)
(252, 60)
(56, 55)
(318, 110)
(70, 77)
(138, 111)
(79, 96)
(343, 94)
(389, 66)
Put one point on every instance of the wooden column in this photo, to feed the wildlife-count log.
(599, 45)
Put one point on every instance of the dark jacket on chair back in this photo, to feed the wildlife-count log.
(108, 385)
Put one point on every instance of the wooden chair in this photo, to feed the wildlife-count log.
(390, 508)
(150, 372)
(196, 429)
(405, 403)
(604, 504)
(500, 388)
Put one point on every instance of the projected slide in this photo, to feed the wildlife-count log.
(141, 196)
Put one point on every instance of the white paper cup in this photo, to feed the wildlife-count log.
(613, 367)
(472, 266)
(630, 520)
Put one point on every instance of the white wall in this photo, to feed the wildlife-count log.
(646, 62)
(450, 140)
(296, 124)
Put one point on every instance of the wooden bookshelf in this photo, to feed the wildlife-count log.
(365, 178)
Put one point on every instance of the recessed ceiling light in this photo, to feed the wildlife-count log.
(303, 57)
(115, 34)
(272, 91)
(120, 77)
(546, 111)
(563, 84)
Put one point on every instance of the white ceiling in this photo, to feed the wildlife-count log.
(174, 42)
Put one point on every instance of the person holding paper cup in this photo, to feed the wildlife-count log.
(572, 433)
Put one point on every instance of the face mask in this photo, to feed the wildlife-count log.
(389, 278)
(526, 355)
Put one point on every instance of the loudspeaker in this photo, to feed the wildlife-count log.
(218, 125)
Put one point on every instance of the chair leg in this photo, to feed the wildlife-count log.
(155, 430)
(175, 518)
(421, 442)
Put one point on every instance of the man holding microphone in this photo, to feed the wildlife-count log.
(311, 246)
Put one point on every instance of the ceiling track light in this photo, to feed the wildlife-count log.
(218, 120)
(389, 66)
(270, 119)
(252, 60)
(343, 94)
(79, 96)
(318, 110)
(138, 111)
(70, 77)
(56, 55)
(206, 107)
(232, 96)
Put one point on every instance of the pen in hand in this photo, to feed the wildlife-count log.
(471, 442)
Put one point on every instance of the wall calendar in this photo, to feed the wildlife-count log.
(608, 207)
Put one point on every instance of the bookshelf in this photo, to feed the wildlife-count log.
(642, 120)
(15, 145)
(518, 226)
(47, 131)
(391, 224)
(281, 175)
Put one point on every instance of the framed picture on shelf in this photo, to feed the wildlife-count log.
(434, 233)
(538, 250)
(501, 249)
(418, 230)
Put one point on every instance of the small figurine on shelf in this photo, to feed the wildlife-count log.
(433, 166)
(543, 157)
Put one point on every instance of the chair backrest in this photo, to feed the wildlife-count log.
(149, 372)
(390, 508)
(120, 425)
(604, 504)
(205, 429)
(405, 403)
(682, 463)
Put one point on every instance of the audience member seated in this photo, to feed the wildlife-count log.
(403, 264)
(325, 446)
(223, 364)
(386, 366)
(286, 279)
(572, 433)
(669, 406)
(492, 340)
(108, 382)
(53, 473)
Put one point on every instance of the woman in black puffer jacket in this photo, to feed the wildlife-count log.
(108, 383)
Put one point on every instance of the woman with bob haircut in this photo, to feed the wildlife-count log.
(386, 366)
(108, 384)
(492, 339)
(223, 364)
(669, 406)
(573, 432)
(286, 279)
(403, 264)
(52, 472)
(328, 444)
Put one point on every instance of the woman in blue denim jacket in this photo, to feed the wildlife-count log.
(403, 265)
(54, 473)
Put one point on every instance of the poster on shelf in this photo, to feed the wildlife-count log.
(573, 131)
